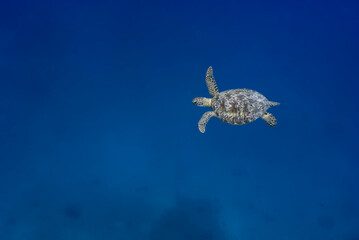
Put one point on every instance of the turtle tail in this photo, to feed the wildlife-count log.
(273, 103)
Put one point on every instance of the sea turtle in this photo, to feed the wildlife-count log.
(236, 106)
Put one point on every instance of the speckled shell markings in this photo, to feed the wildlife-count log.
(239, 106)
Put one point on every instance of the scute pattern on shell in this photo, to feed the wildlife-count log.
(239, 106)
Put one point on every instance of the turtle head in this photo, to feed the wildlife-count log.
(202, 102)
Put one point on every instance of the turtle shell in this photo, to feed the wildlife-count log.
(239, 106)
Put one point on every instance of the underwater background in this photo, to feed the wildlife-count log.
(99, 136)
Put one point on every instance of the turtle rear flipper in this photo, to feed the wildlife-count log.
(211, 83)
(204, 120)
(269, 119)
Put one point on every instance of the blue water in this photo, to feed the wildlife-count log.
(99, 137)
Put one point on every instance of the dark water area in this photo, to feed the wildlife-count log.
(99, 136)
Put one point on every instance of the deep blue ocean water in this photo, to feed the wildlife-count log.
(99, 137)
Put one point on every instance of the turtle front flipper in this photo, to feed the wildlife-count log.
(204, 120)
(211, 83)
(269, 119)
